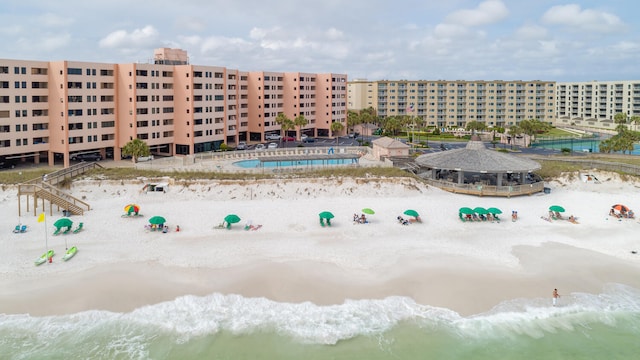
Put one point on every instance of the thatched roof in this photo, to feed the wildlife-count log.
(475, 157)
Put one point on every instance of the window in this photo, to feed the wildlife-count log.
(75, 71)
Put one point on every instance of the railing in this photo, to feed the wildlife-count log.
(221, 161)
(243, 154)
(32, 189)
(595, 164)
(44, 188)
(488, 190)
(54, 196)
(58, 176)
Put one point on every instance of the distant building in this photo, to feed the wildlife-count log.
(595, 103)
(452, 104)
(52, 110)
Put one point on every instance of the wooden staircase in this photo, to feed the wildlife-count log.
(45, 190)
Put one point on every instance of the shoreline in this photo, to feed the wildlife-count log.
(467, 287)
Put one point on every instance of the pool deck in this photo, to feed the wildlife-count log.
(223, 161)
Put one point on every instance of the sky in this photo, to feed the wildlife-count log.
(554, 40)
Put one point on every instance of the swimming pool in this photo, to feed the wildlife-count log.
(256, 163)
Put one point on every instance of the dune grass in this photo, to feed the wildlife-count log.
(550, 169)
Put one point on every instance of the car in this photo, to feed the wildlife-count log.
(86, 157)
(288, 138)
(7, 163)
(308, 139)
(272, 137)
(354, 135)
(260, 147)
(145, 158)
(241, 145)
(272, 146)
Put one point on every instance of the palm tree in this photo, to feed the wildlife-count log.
(514, 131)
(392, 125)
(336, 127)
(474, 126)
(532, 126)
(299, 121)
(136, 148)
(635, 120)
(285, 123)
(353, 119)
(621, 120)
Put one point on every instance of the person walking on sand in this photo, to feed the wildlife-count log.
(556, 296)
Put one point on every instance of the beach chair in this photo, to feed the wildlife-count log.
(461, 217)
(17, 229)
(78, 229)
(496, 218)
(23, 228)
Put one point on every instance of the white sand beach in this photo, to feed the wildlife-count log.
(466, 267)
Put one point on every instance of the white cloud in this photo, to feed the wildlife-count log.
(12, 30)
(190, 41)
(574, 16)
(531, 32)
(137, 38)
(53, 20)
(46, 42)
(334, 34)
(191, 23)
(225, 45)
(488, 12)
(257, 33)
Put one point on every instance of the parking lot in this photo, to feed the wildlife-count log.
(322, 142)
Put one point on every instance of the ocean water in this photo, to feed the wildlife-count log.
(583, 326)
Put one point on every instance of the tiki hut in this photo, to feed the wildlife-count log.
(477, 165)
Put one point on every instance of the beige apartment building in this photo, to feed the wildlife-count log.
(446, 104)
(50, 111)
(595, 103)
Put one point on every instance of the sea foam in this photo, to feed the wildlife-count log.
(186, 318)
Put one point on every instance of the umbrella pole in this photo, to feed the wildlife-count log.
(46, 241)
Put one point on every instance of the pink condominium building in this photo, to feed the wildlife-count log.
(52, 110)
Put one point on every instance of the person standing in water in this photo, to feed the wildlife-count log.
(556, 296)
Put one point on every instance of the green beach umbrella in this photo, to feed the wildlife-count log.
(368, 211)
(326, 215)
(157, 220)
(232, 219)
(411, 213)
(480, 210)
(466, 211)
(557, 208)
(64, 222)
(494, 211)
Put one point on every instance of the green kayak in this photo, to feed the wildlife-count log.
(70, 253)
(43, 259)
